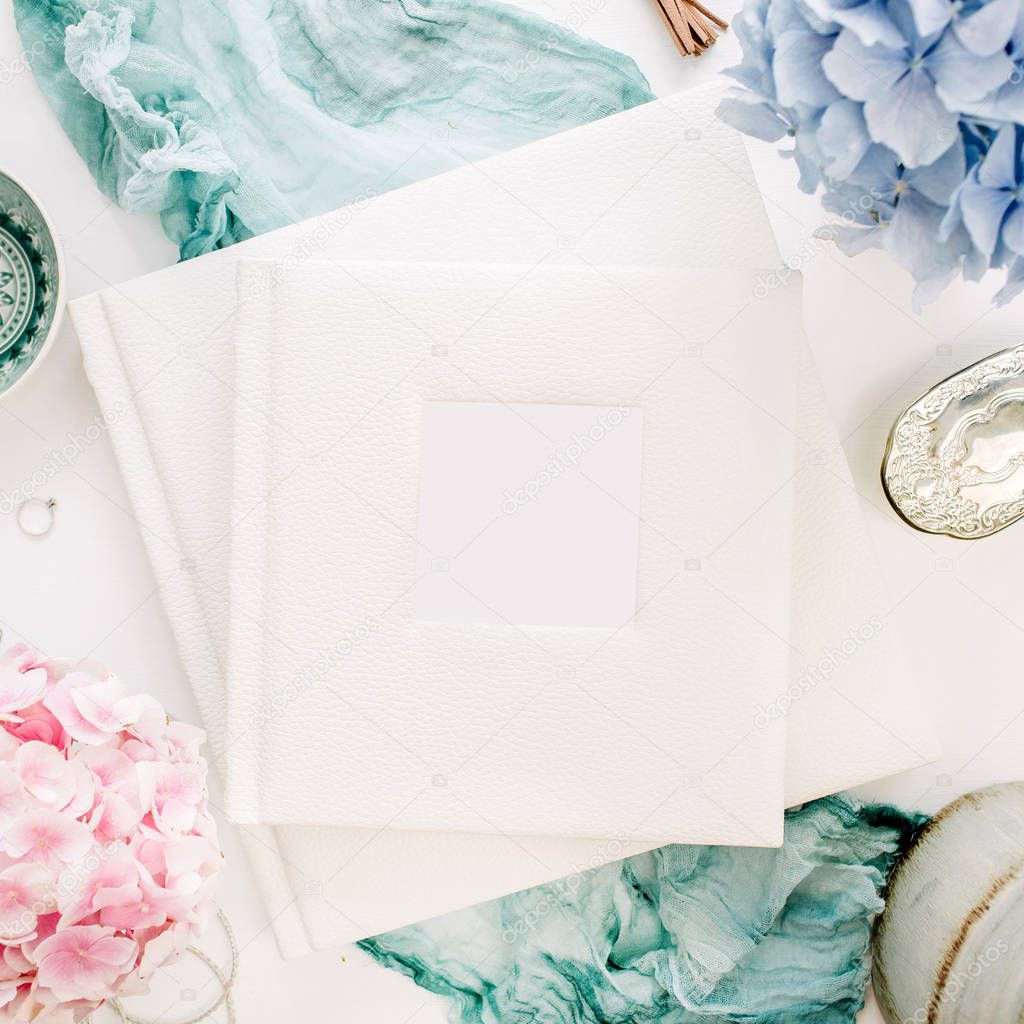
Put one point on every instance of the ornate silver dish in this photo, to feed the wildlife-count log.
(954, 461)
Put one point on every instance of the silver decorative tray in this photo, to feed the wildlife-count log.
(954, 462)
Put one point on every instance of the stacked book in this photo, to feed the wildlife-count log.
(502, 526)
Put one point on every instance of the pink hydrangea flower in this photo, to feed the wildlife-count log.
(47, 837)
(84, 962)
(171, 794)
(37, 723)
(25, 894)
(19, 689)
(45, 773)
(108, 854)
(92, 710)
(113, 884)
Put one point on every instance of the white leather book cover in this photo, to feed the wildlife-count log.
(163, 344)
(517, 557)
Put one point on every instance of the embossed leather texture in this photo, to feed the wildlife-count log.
(643, 730)
(620, 191)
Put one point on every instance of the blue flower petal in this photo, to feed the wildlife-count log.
(911, 236)
(963, 76)
(1014, 283)
(782, 14)
(976, 265)
(930, 287)
(871, 24)
(938, 181)
(910, 119)
(1013, 229)
(954, 217)
(1017, 36)
(877, 173)
(931, 15)
(999, 168)
(843, 138)
(807, 156)
(749, 29)
(755, 79)
(983, 210)
(752, 117)
(860, 71)
(825, 11)
(852, 241)
(857, 206)
(818, 15)
(988, 29)
(797, 69)
(1005, 104)
(903, 18)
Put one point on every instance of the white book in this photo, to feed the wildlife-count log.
(665, 185)
(513, 551)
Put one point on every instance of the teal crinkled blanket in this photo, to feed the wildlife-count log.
(681, 935)
(233, 117)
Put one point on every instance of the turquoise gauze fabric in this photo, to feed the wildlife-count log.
(681, 935)
(233, 117)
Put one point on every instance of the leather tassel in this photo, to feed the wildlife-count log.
(692, 26)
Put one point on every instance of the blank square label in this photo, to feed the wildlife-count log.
(529, 514)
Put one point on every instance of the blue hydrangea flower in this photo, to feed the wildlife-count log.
(906, 90)
(981, 28)
(990, 200)
(905, 113)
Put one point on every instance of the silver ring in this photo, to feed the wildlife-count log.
(36, 516)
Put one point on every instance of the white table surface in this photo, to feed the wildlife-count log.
(88, 587)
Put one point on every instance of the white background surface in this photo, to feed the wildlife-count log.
(88, 587)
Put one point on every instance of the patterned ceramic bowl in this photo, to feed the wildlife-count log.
(31, 284)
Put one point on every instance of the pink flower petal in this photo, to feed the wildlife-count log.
(37, 723)
(65, 710)
(112, 882)
(114, 951)
(25, 893)
(47, 837)
(114, 818)
(114, 769)
(83, 962)
(45, 773)
(13, 800)
(97, 704)
(19, 689)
